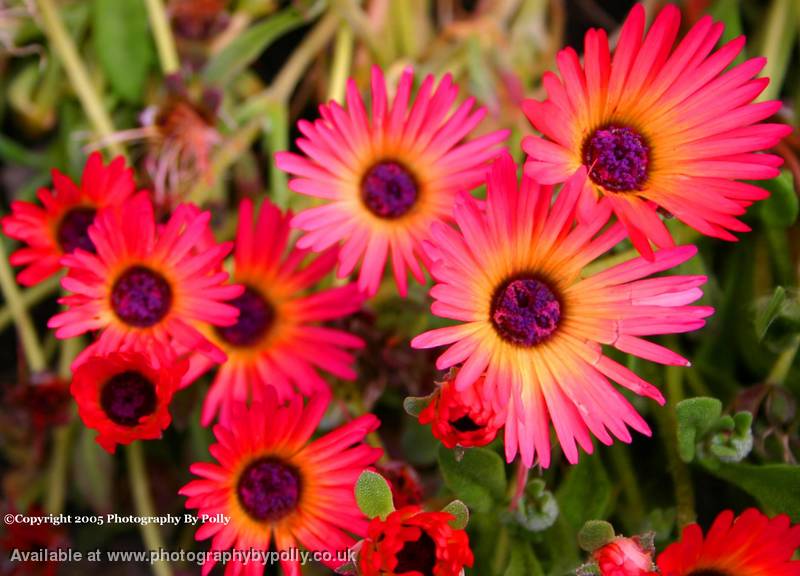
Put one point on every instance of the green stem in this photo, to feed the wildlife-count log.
(30, 298)
(404, 22)
(143, 504)
(342, 59)
(780, 370)
(502, 547)
(350, 11)
(64, 47)
(276, 138)
(162, 32)
(34, 354)
(634, 510)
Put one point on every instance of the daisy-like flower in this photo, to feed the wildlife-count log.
(278, 340)
(279, 488)
(512, 278)
(145, 288)
(657, 127)
(60, 225)
(462, 418)
(386, 176)
(624, 557)
(412, 542)
(125, 396)
(750, 545)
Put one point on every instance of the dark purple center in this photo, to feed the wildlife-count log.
(419, 555)
(127, 397)
(617, 158)
(141, 297)
(269, 489)
(389, 190)
(465, 424)
(525, 311)
(707, 572)
(256, 315)
(73, 230)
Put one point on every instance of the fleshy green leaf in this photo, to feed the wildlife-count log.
(373, 495)
(414, 405)
(479, 478)
(585, 493)
(538, 508)
(122, 42)
(461, 513)
(249, 45)
(696, 416)
(595, 534)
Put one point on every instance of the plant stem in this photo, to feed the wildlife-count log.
(342, 58)
(363, 28)
(634, 510)
(780, 370)
(162, 32)
(64, 47)
(31, 347)
(143, 504)
(30, 298)
(501, 550)
(521, 481)
(276, 138)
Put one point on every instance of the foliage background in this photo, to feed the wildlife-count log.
(270, 63)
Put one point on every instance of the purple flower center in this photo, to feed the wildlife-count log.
(617, 158)
(269, 489)
(73, 230)
(525, 311)
(707, 572)
(465, 424)
(419, 555)
(389, 190)
(256, 315)
(127, 397)
(141, 297)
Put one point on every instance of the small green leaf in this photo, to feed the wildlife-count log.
(696, 416)
(373, 495)
(780, 210)
(522, 561)
(122, 42)
(460, 512)
(479, 478)
(773, 485)
(585, 493)
(770, 312)
(248, 46)
(414, 405)
(595, 534)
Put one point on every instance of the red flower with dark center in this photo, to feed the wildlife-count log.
(749, 545)
(462, 418)
(125, 396)
(404, 482)
(411, 542)
(61, 224)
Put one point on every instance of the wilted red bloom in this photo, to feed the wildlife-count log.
(404, 482)
(624, 557)
(198, 19)
(464, 418)
(411, 542)
(125, 396)
(45, 399)
(752, 545)
(29, 538)
(60, 225)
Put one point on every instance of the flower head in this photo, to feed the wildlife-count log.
(749, 545)
(279, 340)
(61, 224)
(404, 482)
(145, 287)
(125, 396)
(512, 277)
(462, 418)
(411, 542)
(624, 557)
(386, 176)
(658, 127)
(279, 488)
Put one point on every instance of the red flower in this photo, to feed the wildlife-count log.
(624, 557)
(61, 224)
(30, 538)
(411, 542)
(125, 396)
(463, 418)
(404, 482)
(750, 545)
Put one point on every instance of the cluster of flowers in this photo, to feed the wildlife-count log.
(650, 129)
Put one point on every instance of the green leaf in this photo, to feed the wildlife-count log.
(696, 416)
(538, 508)
(460, 512)
(585, 493)
(777, 36)
(522, 561)
(773, 485)
(93, 472)
(780, 210)
(122, 42)
(479, 479)
(771, 312)
(594, 534)
(414, 405)
(373, 495)
(248, 46)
